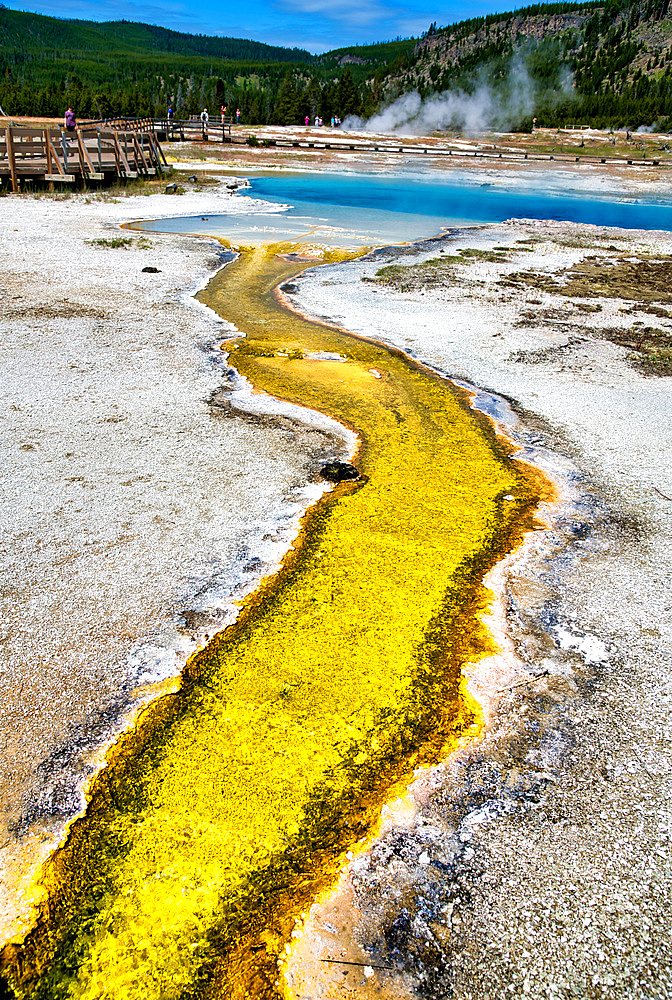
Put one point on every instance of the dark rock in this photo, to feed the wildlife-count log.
(193, 178)
(5, 991)
(171, 188)
(338, 472)
(397, 935)
(289, 287)
(151, 270)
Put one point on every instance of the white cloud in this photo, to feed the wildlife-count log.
(350, 11)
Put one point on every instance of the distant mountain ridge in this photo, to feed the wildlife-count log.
(28, 32)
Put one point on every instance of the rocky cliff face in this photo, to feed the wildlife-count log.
(454, 45)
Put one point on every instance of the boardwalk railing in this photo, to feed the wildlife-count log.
(184, 129)
(123, 124)
(194, 129)
(92, 154)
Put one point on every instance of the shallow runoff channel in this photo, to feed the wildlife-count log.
(230, 806)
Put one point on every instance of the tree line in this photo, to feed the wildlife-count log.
(129, 69)
(263, 97)
(600, 72)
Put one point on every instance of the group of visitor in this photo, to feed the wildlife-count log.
(205, 117)
(335, 121)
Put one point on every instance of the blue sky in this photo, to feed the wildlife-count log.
(316, 25)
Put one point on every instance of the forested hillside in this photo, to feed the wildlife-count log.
(599, 63)
(123, 68)
(28, 35)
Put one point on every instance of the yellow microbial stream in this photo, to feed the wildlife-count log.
(231, 803)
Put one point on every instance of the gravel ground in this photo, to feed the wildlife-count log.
(537, 862)
(133, 513)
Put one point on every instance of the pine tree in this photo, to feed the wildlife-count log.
(286, 109)
(347, 98)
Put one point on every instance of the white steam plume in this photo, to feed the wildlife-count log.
(486, 108)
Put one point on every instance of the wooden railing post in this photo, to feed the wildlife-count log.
(10, 157)
(54, 155)
(64, 146)
(159, 158)
(139, 155)
(47, 152)
(122, 155)
(117, 152)
(84, 158)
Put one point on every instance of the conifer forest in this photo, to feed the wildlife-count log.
(605, 64)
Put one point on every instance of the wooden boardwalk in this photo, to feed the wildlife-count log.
(192, 130)
(48, 155)
(130, 147)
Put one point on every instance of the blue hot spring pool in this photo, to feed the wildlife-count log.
(357, 209)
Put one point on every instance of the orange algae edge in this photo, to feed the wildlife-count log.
(229, 807)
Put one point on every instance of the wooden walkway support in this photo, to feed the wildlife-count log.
(90, 154)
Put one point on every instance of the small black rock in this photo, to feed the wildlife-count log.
(193, 178)
(338, 472)
(151, 270)
(171, 188)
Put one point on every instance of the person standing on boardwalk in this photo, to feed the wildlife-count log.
(237, 116)
(70, 120)
(204, 120)
(223, 111)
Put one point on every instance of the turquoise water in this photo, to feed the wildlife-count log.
(363, 209)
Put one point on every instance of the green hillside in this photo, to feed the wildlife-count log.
(601, 63)
(127, 68)
(607, 62)
(365, 61)
(29, 34)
